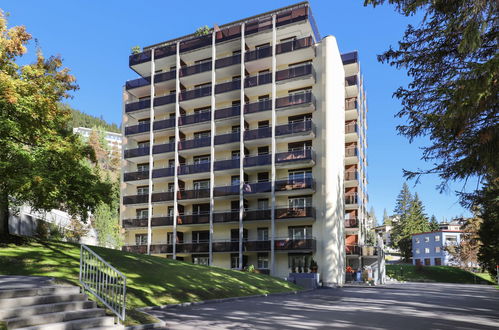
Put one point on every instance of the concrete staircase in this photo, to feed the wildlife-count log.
(30, 302)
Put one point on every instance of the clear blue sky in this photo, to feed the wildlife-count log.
(95, 37)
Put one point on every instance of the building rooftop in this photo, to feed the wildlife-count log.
(438, 231)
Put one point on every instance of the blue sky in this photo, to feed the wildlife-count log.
(94, 38)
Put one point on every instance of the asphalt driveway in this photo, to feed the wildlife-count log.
(398, 306)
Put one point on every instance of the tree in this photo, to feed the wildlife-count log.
(106, 223)
(452, 59)
(434, 226)
(42, 163)
(80, 119)
(373, 222)
(465, 254)
(387, 221)
(403, 201)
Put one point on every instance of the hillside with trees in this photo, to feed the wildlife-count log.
(80, 119)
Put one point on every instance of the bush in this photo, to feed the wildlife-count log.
(42, 229)
(135, 50)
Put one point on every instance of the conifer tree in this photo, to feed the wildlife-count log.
(434, 223)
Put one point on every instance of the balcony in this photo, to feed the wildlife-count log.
(293, 45)
(136, 199)
(234, 111)
(287, 244)
(259, 160)
(351, 81)
(351, 128)
(137, 152)
(295, 72)
(351, 199)
(295, 156)
(193, 219)
(136, 83)
(135, 176)
(223, 191)
(139, 58)
(229, 33)
(351, 86)
(349, 58)
(295, 102)
(228, 61)
(195, 93)
(227, 138)
(228, 86)
(295, 212)
(259, 133)
(259, 53)
(142, 222)
(281, 213)
(164, 100)
(163, 148)
(352, 250)
(164, 124)
(351, 223)
(138, 105)
(227, 164)
(351, 175)
(193, 194)
(194, 168)
(163, 172)
(194, 69)
(294, 184)
(258, 80)
(263, 105)
(165, 51)
(194, 143)
(195, 118)
(195, 43)
(351, 152)
(136, 129)
(294, 128)
(225, 246)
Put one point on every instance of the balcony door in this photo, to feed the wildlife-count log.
(142, 213)
(299, 202)
(300, 232)
(299, 175)
(201, 184)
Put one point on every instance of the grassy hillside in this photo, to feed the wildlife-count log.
(444, 274)
(150, 280)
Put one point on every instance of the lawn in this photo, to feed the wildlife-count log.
(444, 274)
(151, 281)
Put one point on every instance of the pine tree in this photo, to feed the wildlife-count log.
(403, 201)
(373, 222)
(387, 221)
(434, 223)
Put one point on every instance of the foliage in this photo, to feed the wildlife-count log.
(434, 226)
(465, 254)
(371, 238)
(452, 59)
(443, 274)
(373, 221)
(387, 221)
(106, 223)
(80, 119)
(76, 230)
(42, 163)
(135, 50)
(202, 31)
(251, 269)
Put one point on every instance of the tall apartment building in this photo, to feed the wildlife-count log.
(246, 146)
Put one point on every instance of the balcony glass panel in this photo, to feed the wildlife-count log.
(263, 105)
(305, 154)
(290, 46)
(195, 93)
(194, 168)
(228, 33)
(196, 68)
(142, 222)
(259, 53)
(195, 118)
(137, 152)
(164, 124)
(225, 246)
(143, 57)
(165, 76)
(139, 105)
(295, 212)
(194, 143)
(258, 25)
(257, 187)
(192, 248)
(162, 196)
(228, 112)
(135, 199)
(349, 58)
(256, 246)
(195, 43)
(292, 16)
(135, 83)
(165, 51)
(228, 61)
(133, 176)
(226, 191)
(295, 244)
(163, 100)
(254, 215)
(225, 87)
(192, 219)
(227, 138)
(294, 184)
(229, 216)
(257, 160)
(294, 99)
(295, 72)
(163, 148)
(261, 79)
(296, 127)
(259, 133)
(163, 172)
(193, 194)
(227, 164)
(135, 129)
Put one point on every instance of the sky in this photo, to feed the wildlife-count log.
(94, 39)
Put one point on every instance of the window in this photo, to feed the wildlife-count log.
(299, 261)
(146, 121)
(264, 97)
(263, 261)
(451, 239)
(201, 159)
(300, 232)
(297, 146)
(171, 187)
(144, 167)
(426, 250)
(427, 239)
(201, 208)
(236, 129)
(263, 124)
(263, 177)
(437, 249)
(141, 239)
(201, 259)
(418, 251)
(437, 238)
(427, 262)
(417, 240)
(263, 234)
(236, 154)
(142, 213)
(234, 235)
(143, 190)
(263, 204)
(202, 236)
(201, 184)
(169, 238)
(234, 180)
(418, 262)
(300, 174)
(234, 260)
(202, 134)
(263, 150)
(299, 202)
(438, 261)
(201, 110)
(143, 144)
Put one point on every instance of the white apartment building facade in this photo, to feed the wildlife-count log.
(114, 140)
(246, 146)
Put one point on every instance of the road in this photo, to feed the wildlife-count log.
(397, 306)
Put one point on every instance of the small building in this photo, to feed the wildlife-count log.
(113, 139)
(429, 248)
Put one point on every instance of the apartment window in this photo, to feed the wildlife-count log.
(300, 232)
(263, 177)
(263, 150)
(202, 236)
(262, 261)
(142, 213)
(297, 146)
(143, 167)
(171, 162)
(418, 251)
(234, 260)
(263, 234)
(146, 121)
(427, 262)
(201, 184)
(426, 250)
(141, 239)
(263, 204)
(171, 139)
(142, 190)
(203, 134)
(236, 154)
(438, 261)
(201, 259)
(169, 238)
(201, 208)
(265, 97)
(299, 202)
(201, 110)
(143, 144)
(437, 249)
(236, 129)
(300, 174)
(417, 240)
(437, 238)
(201, 159)
(234, 180)
(451, 239)
(234, 235)
(426, 239)
(171, 186)
(299, 260)
(263, 124)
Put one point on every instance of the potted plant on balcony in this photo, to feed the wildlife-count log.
(349, 274)
(313, 266)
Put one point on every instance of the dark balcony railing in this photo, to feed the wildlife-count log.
(350, 81)
(351, 175)
(255, 215)
(165, 51)
(163, 148)
(228, 138)
(193, 194)
(136, 83)
(227, 164)
(194, 143)
(351, 199)
(194, 168)
(137, 152)
(352, 249)
(259, 133)
(257, 160)
(294, 15)
(164, 100)
(195, 42)
(139, 58)
(294, 128)
(226, 191)
(351, 223)
(228, 112)
(225, 246)
(295, 244)
(263, 105)
(134, 176)
(257, 188)
(139, 249)
(195, 118)
(163, 172)
(228, 33)
(258, 80)
(228, 86)
(135, 129)
(162, 196)
(135, 199)
(258, 25)
(193, 219)
(193, 247)
(259, 53)
(256, 246)
(142, 222)
(139, 105)
(295, 72)
(228, 61)
(351, 152)
(229, 216)
(290, 46)
(195, 93)
(351, 128)
(164, 124)
(296, 155)
(295, 212)
(294, 184)
(196, 68)
(165, 76)
(295, 100)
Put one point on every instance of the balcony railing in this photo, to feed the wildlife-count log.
(163, 172)
(142, 222)
(294, 184)
(295, 244)
(295, 155)
(164, 100)
(137, 152)
(349, 58)
(258, 160)
(293, 45)
(351, 223)
(138, 105)
(226, 191)
(134, 176)
(196, 68)
(164, 124)
(295, 127)
(136, 199)
(227, 138)
(265, 214)
(258, 25)
(351, 199)
(193, 194)
(259, 133)
(136, 83)
(165, 76)
(226, 164)
(295, 100)
(162, 196)
(351, 152)
(263, 105)
(195, 118)
(258, 80)
(194, 168)
(195, 93)
(194, 143)
(139, 58)
(163, 148)
(295, 72)
(165, 51)
(228, 112)
(259, 53)
(351, 128)
(195, 43)
(228, 61)
(228, 33)
(351, 175)
(193, 219)
(257, 187)
(228, 86)
(135, 129)
(201, 247)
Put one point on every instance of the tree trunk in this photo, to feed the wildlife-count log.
(4, 214)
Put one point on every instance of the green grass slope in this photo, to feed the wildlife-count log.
(151, 281)
(444, 274)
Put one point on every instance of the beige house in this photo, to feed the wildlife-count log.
(246, 146)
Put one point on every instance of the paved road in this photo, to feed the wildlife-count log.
(398, 306)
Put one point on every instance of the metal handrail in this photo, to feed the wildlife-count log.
(104, 281)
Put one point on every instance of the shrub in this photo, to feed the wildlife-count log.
(135, 50)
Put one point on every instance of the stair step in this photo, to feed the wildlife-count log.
(45, 308)
(39, 300)
(94, 322)
(65, 316)
(41, 291)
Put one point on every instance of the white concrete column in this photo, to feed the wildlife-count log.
(151, 157)
(241, 151)
(212, 144)
(273, 151)
(177, 139)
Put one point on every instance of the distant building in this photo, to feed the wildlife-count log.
(384, 231)
(429, 248)
(453, 225)
(113, 139)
